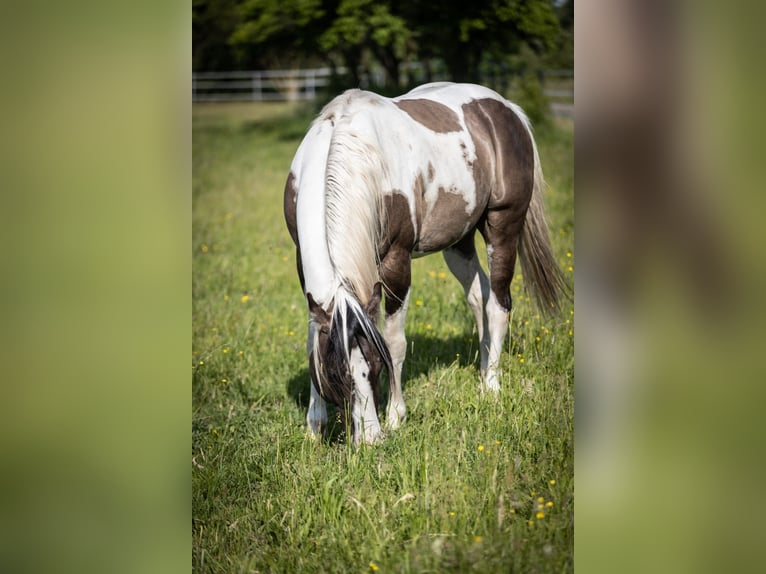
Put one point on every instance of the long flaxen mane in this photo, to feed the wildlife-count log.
(353, 225)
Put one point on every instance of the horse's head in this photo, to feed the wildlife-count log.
(346, 356)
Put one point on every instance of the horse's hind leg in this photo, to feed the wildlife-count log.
(463, 262)
(501, 232)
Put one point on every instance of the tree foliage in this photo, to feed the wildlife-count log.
(358, 33)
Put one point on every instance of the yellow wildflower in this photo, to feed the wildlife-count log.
(418, 303)
(480, 448)
(540, 515)
(549, 504)
(478, 538)
(552, 482)
(245, 298)
(203, 248)
(442, 275)
(452, 514)
(373, 567)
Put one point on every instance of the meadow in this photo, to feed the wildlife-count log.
(468, 483)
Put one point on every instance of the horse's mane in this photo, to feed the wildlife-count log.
(354, 197)
(353, 223)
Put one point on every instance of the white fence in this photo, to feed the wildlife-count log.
(261, 85)
(296, 85)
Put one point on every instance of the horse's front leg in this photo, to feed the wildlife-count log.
(316, 417)
(395, 272)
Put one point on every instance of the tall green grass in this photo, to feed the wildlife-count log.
(469, 482)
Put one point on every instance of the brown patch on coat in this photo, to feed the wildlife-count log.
(399, 230)
(290, 206)
(504, 153)
(445, 221)
(396, 248)
(433, 115)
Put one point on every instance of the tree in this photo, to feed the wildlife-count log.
(463, 33)
(278, 32)
(368, 25)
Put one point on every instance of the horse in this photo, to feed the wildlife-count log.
(377, 181)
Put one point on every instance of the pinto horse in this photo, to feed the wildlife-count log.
(378, 181)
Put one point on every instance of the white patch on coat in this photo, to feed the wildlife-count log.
(316, 417)
(396, 342)
(363, 414)
(497, 321)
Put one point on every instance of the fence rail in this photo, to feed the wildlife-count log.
(297, 85)
(260, 85)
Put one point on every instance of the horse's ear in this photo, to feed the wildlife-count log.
(374, 303)
(316, 310)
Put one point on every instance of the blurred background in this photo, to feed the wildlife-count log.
(96, 266)
(267, 50)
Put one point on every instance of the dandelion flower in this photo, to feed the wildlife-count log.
(225, 350)
(549, 504)
(418, 303)
(452, 514)
(570, 268)
(569, 254)
(551, 482)
(245, 298)
(202, 362)
(224, 380)
(480, 448)
(497, 442)
(442, 275)
(540, 515)
(521, 360)
(373, 567)
(478, 538)
(204, 248)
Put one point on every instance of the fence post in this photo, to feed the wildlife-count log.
(257, 87)
(310, 85)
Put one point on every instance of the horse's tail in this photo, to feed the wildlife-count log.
(542, 275)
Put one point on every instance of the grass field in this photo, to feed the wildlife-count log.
(468, 483)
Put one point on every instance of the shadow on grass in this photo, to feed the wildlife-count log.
(424, 353)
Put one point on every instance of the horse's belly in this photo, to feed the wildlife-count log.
(445, 221)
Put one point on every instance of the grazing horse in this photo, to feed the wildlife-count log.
(377, 181)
